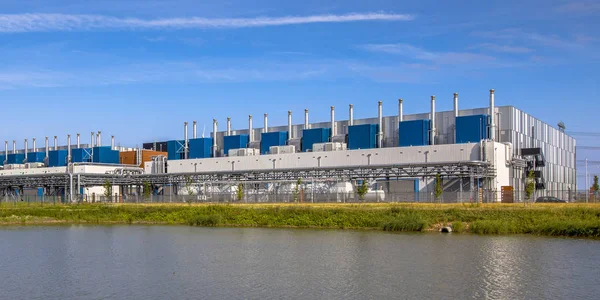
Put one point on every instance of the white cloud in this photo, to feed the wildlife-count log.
(417, 53)
(65, 22)
(504, 48)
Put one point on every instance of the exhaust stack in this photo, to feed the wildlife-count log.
(306, 119)
(78, 141)
(185, 140)
(5, 152)
(47, 148)
(492, 117)
(228, 126)
(55, 143)
(250, 131)
(68, 148)
(332, 122)
(433, 130)
(14, 147)
(400, 111)
(25, 151)
(380, 134)
(289, 126)
(99, 139)
(195, 130)
(92, 144)
(112, 142)
(351, 115)
(34, 145)
(266, 129)
(215, 137)
(455, 105)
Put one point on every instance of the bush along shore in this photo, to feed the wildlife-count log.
(550, 220)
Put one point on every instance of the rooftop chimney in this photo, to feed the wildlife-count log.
(215, 137)
(228, 126)
(195, 130)
(433, 130)
(185, 140)
(289, 126)
(99, 139)
(380, 134)
(250, 129)
(68, 148)
(306, 119)
(266, 128)
(351, 115)
(332, 122)
(55, 143)
(492, 116)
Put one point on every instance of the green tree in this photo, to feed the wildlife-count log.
(147, 190)
(362, 190)
(189, 186)
(239, 194)
(529, 185)
(297, 190)
(595, 186)
(439, 188)
(107, 189)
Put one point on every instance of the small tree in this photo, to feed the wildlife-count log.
(297, 190)
(530, 185)
(595, 186)
(239, 194)
(362, 190)
(439, 188)
(147, 190)
(188, 186)
(107, 189)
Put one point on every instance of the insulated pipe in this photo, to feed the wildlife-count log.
(68, 148)
(5, 151)
(195, 130)
(99, 139)
(47, 148)
(25, 151)
(78, 141)
(250, 131)
(55, 143)
(34, 146)
(92, 144)
(266, 128)
(14, 147)
(380, 115)
(306, 119)
(290, 126)
(332, 122)
(455, 104)
(215, 123)
(351, 115)
(400, 111)
(492, 116)
(228, 126)
(112, 142)
(185, 140)
(433, 130)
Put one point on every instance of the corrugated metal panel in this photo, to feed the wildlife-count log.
(200, 148)
(81, 155)
(231, 142)
(175, 150)
(314, 136)
(2, 159)
(471, 129)
(57, 158)
(16, 158)
(414, 133)
(362, 136)
(105, 155)
(36, 157)
(269, 139)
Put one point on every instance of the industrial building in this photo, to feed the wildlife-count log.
(483, 153)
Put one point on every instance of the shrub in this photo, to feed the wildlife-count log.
(458, 227)
(204, 220)
(410, 222)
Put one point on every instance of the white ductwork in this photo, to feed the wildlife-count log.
(351, 115)
(433, 128)
(266, 127)
(492, 116)
(306, 119)
(112, 142)
(228, 126)
(214, 138)
(68, 148)
(99, 139)
(78, 141)
(195, 130)
(185, 140)
(55, 143)
(14, 147)
(380, 116)
(26, 146)
(250, 130)
(332, 122)
(289, 126)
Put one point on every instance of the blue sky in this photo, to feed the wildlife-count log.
(138, 69)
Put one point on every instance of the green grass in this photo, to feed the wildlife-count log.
(551, 220)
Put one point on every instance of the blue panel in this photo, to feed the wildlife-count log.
(36, 157)
(414, 133)
(235, 142)
(269, 139)
(362, 136)
(175, 150)
(17, 158)
(471, 129)
(105, 155)
(57, 158)
(40, 191)
(2, 159)
(314, 136)
(200, 148)
(81, 155)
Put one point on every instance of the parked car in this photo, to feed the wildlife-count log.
(548, 199)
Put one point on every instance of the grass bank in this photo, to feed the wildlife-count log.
(552, 220)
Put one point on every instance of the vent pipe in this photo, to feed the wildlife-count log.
(195, 130)
(34, 145)
(185, 140)
(78, 141)
(112, 142)
(99, 139)
(5, 151)
(351, 115)
(492, 116)
(266, 128)
(92, 144)
(228, 126)
(306, 119)
(25, 151)
(289, 126)
(47, 145)
(433, 130)
(380, 134)
(455, 105)
(215, 137)
(332, 122)
(55, 143)
(250, 131)
(400, 111)
(14, 147)
(68, 148)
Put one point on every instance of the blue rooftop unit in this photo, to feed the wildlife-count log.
(57, 158)
(36, 157)
(314, 136)
(414, 133)
(2, 159)
(81, 155)
(200, 148)
(362, 136)
(16, 158)
(175, 150)
(270, 139)
(105, 155)
(471, 129)
(233, 142)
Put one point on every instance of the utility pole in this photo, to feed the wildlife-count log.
(587, 192)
